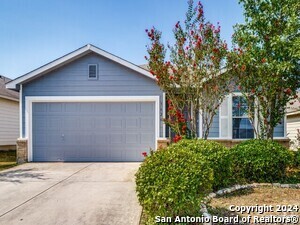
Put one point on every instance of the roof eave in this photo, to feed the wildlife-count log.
(50, 66)
(121, 61)
(293, 113)
(9, 98)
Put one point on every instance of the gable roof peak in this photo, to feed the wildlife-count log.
(71, 57)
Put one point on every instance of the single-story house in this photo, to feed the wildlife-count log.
(293, 123)
(90, 105)
(9, 116)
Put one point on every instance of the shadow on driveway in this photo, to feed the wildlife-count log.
(17, 176)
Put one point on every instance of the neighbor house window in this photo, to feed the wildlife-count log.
(93, 71)
(241, 125)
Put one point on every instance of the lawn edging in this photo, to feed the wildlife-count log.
(203, 208)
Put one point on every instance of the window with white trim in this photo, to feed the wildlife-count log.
(241, 124)
(92, 71)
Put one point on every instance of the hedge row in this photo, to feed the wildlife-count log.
(173, 181)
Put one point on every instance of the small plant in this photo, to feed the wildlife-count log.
(172, 182)
(297, 158)
(260, 161)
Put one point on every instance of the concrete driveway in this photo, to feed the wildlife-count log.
(69, 193)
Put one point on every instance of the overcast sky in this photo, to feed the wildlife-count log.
(35, 32)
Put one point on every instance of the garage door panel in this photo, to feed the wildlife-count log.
(40, 108)
(101, 139)
(39, 139)
(71, 152)
(133, 108)
(41, 155)
(56, 108)
(54, 138)
(116, 138)
(54, 123)
(70, 122)
(101, 152)
(40, 123)
(116, 108)
(147, 109)
(147, 138)
(132, 123)
(101, 109)
(53, 154)
(132, 138)
(101, 123)
(70, 108)
(86, 139)
(86, 108)
(86, 124)
(93, 131)
(147, 122)
(116, 123)
(70, 139)
(116, 153)
(132, 154)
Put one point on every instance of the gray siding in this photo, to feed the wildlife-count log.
(293, 123)
(72, 80)
(9, 122)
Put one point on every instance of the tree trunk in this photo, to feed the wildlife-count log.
(270, 132)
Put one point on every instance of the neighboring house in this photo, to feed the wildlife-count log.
(90, 105)
(293, 123)
(9, 116)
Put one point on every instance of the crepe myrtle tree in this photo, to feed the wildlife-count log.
(265, 60)
(192, 78)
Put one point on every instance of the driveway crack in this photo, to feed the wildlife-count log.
(47, 189)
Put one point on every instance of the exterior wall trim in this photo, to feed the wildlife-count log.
(30, 100)
(97, 72)
(8, 98)
(20, 111)
(285, 126)
(164, 114)
(229, 118)
(200, 130)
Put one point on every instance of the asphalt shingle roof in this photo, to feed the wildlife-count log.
(4, 92)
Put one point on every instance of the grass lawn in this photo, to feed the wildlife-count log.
(7, 159)
(293, 176)
(258, 196)
(251, 197)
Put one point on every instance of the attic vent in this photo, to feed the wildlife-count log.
(93, 71)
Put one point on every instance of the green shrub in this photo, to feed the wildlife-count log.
(260, 161)
(297, 158)
(173, 182)
(217, 155)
